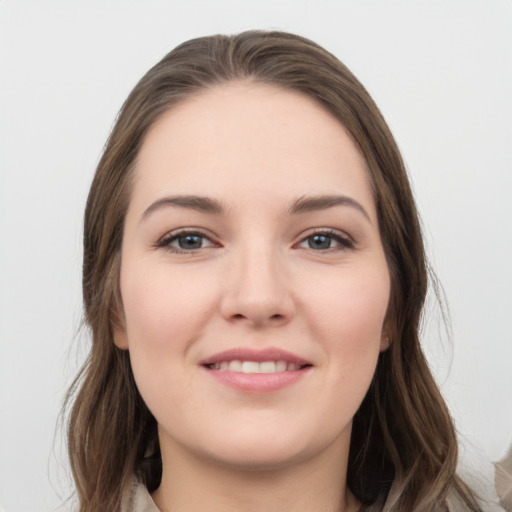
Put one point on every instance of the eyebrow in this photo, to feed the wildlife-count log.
(302, 205)
(307, 204)
(201, 204)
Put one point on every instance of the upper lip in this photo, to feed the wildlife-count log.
(257, 355)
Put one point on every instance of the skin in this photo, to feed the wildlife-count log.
(256, 279)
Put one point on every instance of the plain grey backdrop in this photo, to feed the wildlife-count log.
(441, 71)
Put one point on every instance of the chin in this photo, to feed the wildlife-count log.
(255, 459)
(263, 449)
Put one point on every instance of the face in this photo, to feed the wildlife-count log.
(253, 278)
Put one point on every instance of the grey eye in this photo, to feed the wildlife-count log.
(325, 241)
(188, 242)
(319, 241)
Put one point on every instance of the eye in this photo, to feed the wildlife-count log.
(185, 241)
(325, 241)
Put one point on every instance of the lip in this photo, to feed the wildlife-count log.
(256, 382)
(260, 355)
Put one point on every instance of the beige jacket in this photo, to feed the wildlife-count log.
(141, 501)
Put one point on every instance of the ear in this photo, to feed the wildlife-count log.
(385, 342)
(120, 337)
(385, 338)
(118, 324)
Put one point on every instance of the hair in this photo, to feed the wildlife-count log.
(403, 451)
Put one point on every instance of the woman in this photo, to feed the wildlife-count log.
(254, 277)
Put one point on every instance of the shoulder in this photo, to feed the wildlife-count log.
(489, 482)
(503, 480)
(139, 499)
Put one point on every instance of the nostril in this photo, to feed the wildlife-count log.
(278, 317)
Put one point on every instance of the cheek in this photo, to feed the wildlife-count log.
(348, 317)
(162, 308)
(352, 305)
(164, 315)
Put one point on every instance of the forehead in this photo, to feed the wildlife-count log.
(252, 140)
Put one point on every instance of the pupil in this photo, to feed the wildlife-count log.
(190, 242)
(320, 242)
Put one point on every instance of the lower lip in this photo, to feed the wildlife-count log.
(258, 382)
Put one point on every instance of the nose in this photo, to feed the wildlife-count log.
(258, 290)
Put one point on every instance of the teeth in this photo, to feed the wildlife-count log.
(235, 366)
(267, 367)
(250, 367)
(255, 367)
(281, 366)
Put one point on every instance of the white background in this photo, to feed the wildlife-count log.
(441, 71)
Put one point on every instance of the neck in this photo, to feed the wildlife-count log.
(193, 484)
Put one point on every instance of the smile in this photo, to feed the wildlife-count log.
(256, 371)
(255, 366)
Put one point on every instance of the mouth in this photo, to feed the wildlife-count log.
(249, 366)
(251, 370)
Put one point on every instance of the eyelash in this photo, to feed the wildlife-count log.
(345, 243)
(168, 239)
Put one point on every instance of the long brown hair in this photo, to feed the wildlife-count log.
(403, 450)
